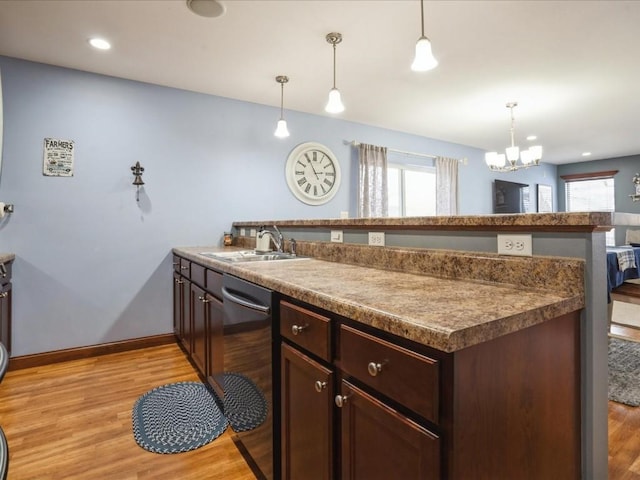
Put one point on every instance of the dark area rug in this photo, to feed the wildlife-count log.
(178, 417)
(624, 371)
(183, 416)
(244, 404)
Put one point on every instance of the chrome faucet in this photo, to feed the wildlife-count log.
(278, 241)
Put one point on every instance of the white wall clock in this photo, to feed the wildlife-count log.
(313, 173)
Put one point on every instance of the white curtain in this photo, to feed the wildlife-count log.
(372, 191)
(446, 186)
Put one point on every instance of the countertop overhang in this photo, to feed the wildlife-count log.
(442, 313)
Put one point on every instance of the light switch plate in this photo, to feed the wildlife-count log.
(243, 231)
(336, 236)
(252, 232)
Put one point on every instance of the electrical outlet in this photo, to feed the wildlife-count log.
(336, 236)
(243, 232)
(376, 238)
(252, 232)
(521, 245)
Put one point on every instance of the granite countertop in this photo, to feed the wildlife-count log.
(6, 257)
(445, 314)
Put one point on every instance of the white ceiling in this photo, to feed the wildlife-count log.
(573, 66)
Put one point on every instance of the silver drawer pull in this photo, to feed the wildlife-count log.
(184, 268)
(179, 282)
(4, 294)
(375, 368)
(203, 299)
(175, 264)
(341, 400)
(297, 329)
(320, 386)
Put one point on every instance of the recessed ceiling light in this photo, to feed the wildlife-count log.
(532, 137)
(586, 154)
(99, 43)
(206, 8)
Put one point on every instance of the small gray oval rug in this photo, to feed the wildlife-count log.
(178, 417)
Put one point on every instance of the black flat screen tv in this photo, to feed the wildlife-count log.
(510, 197)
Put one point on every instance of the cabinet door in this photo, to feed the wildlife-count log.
(5, 316)
(178, 304)
(199, 313)
(377, 442)
(185, 328)
(215, 345)
(307, 417)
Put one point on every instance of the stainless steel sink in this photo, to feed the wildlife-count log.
(251, 256)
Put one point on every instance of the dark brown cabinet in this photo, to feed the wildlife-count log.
(380, 443)
(197, 316)
(5, 305)
(505, 408)
(307, 417)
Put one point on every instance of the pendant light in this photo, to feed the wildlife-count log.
(334, 105)
(508, 161)
(281, 129)
(424, 59)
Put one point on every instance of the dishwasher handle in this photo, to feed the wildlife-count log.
(228, 296)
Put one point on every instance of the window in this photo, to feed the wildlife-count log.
(591, 192)
(411, 190)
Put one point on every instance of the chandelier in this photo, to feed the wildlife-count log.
(508, 161)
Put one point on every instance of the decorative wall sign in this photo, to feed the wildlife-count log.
(545, 198)
(58, 157)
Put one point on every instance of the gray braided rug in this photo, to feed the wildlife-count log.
(183, 416)
(177, 418)
(624, 372)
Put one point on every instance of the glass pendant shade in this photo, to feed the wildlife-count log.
(281, 130)
(334, 105)
(424, 59)
(536, 152)
(512, 153)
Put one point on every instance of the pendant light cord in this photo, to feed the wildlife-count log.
(422, 15)
(334, 65)
(282, 101)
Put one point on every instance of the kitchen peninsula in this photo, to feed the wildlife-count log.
(498, 346)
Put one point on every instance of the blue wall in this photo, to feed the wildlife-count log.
(627, 167)
(92, 264)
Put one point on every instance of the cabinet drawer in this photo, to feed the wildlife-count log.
(197, 274)
(307, 329)
(405, 376)
(185, 267)
(214, 283)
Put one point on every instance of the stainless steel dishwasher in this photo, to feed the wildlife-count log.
(248, 357)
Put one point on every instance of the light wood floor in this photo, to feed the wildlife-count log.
(72, 420)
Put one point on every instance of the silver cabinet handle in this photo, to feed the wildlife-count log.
(320, 386)
(184, 268)
(203, 299)
(297, 329)
(4, 294)
(341, 400)
(176, 264)
(179, 282)
(375, 368)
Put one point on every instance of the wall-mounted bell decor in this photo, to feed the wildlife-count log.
(137, 170)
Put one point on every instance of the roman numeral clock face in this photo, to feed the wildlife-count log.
(313, 173)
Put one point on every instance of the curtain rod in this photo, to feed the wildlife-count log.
(415, 154)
